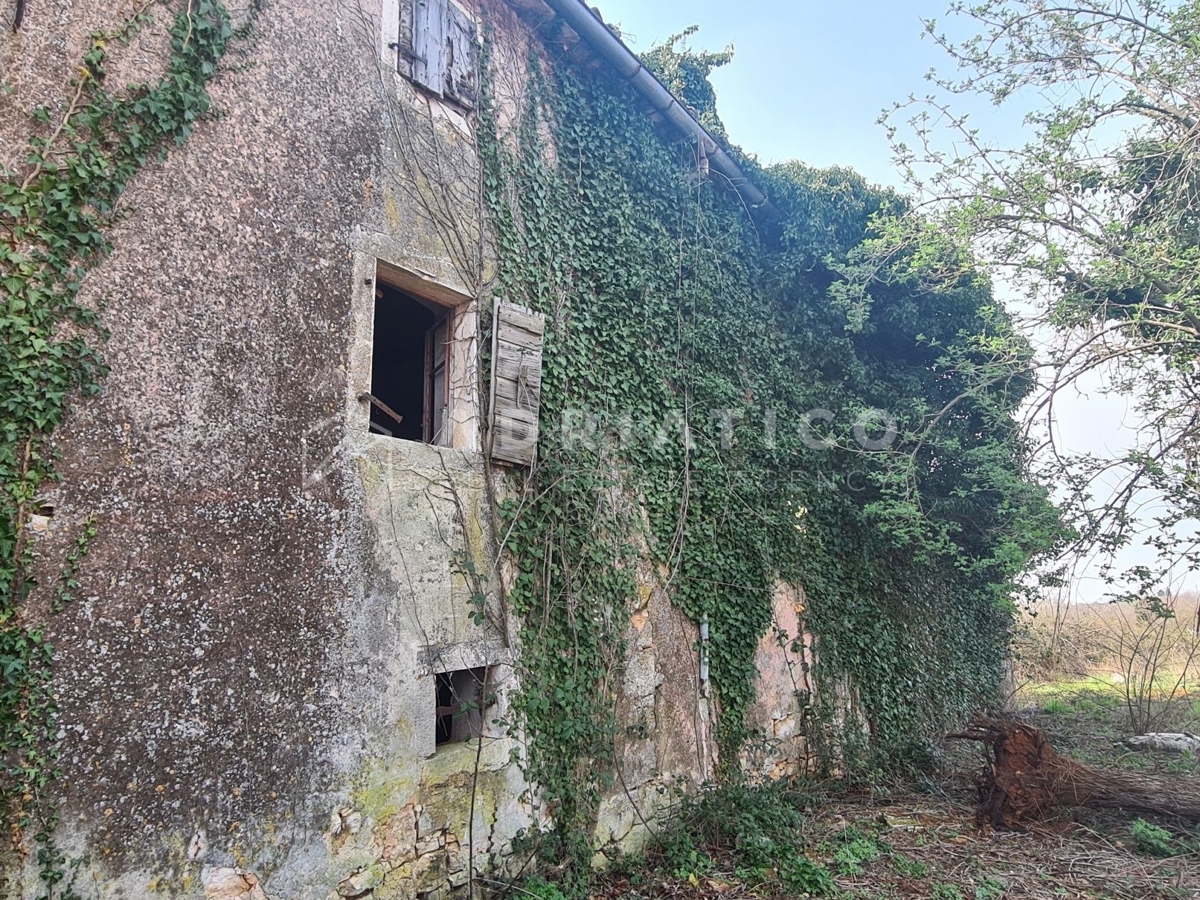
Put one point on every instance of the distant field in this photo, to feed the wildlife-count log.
(1185, 606)
(1144, 659)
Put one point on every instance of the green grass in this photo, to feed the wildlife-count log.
(1087, 719)
(1062, 686)
(1096, 686)
(1056, 706)
(1101, 688)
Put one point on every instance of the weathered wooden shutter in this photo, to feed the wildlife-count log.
(516, 382)
(404, 40)
(437, 380)
(462, 59)
(430, 22)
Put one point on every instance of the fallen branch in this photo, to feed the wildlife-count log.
(1025, 778)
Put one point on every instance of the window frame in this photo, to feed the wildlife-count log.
(378, 261)
(434, 423)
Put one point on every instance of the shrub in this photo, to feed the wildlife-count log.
(989, 888)
(758, 828)
(1151, 839)
(908, 867)
(540, 889)
(849, 858)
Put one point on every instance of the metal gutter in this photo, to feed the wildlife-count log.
(591, 28)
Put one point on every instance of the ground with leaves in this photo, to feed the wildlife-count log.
(917, 839)
(914, 845)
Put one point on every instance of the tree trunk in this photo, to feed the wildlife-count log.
(1025, 778)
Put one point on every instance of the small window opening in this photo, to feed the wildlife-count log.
(410, 368)
(461, 699)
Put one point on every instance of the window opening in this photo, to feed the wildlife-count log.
(460, 702)
(410, 368)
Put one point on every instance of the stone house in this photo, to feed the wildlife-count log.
(272, 681)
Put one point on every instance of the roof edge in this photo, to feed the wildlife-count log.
(592, 29)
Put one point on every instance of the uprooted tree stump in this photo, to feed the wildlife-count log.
(1024, 778)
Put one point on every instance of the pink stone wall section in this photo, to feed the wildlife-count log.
(784, 661)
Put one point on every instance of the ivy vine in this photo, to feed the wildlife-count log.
(665, 301)
(55, 210)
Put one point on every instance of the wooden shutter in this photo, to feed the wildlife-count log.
(430, 22)
(437, 384)
(516, 382)
(462, 59)
(404, 40)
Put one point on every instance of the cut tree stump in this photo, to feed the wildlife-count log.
(1025, 778)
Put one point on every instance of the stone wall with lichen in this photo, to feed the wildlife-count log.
(247, 682)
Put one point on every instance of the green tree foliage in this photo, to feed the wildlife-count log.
(685, 73)
(667, 304)
(1095, 216)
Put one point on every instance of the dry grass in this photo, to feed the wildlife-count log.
(1053, 860)
(1060, 639)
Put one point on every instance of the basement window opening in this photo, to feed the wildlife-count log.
(410, 368)
(460, 701)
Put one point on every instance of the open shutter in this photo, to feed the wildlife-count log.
(430, 23)
(462, 60)
(516, 382)
(437, 378)
(404, 40)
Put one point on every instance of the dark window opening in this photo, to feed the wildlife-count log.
(410, 368)
(461, 699)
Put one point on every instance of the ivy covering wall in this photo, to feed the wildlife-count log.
(666, 299)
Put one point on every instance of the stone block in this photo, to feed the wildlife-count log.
(429, 871)
(398, 834)
(230, 884)
(361, 882)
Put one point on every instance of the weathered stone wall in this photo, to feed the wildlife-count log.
(247, 682)
(663, 718)
(784, 691)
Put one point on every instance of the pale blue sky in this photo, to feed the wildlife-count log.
(808, 79)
